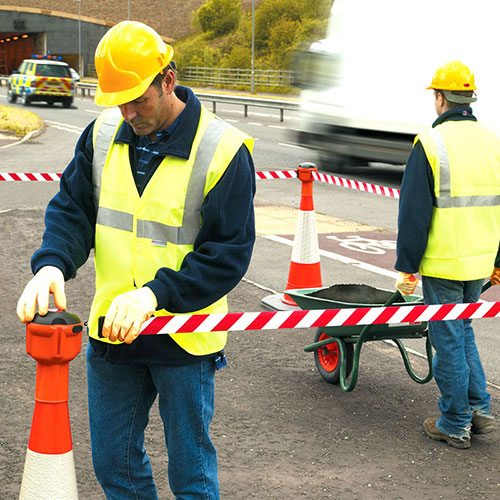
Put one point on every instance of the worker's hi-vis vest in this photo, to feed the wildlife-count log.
(465, 227)
(137, 235)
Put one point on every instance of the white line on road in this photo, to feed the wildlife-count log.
(291, 145)
(340, 258)
(93, 111)
(67, 129)
(65, 126)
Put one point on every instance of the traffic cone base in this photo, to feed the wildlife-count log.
(302, 276)
(49, 477)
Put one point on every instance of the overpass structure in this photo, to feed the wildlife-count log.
(28, 30)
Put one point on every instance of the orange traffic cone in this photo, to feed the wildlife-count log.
(305, 269)
(49, 472)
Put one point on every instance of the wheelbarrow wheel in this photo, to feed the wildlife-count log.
(328, 358)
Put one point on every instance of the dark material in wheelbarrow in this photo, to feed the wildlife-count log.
(337, 349)
(353, 294)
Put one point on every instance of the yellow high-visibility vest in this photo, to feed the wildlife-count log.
(136, 235)
(465, 228)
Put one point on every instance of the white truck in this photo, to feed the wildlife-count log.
(364, 94)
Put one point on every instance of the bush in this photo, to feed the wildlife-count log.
(271, 12)
(195, 52)
(217, 18)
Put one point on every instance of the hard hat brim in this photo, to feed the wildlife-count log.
(107, 99)
(447, 87)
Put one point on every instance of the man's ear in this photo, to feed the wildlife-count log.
(168, 82)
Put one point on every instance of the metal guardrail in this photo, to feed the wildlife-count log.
(247, 102)
(237, 76)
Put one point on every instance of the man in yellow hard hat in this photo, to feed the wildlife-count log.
(162, 190)
(449, 232)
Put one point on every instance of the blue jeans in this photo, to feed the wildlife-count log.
(457, 368)
(120, 398)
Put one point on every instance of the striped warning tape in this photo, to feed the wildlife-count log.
(277, 174)
(9, 177)
(359, 186)
(272, 320)
(264, 175)
(333, 179)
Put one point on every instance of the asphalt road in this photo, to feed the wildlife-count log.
(356, 233)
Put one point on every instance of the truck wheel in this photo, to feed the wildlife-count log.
(328, 359)
(334, 163)
(11, 97)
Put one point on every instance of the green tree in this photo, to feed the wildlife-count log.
(271, 12)
(217, 18)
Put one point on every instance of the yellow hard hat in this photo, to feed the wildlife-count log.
(453, 75)
(127, 59)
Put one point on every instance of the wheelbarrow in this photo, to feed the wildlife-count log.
(337, 348)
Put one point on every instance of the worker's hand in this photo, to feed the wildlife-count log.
(48, 280)
(406, 283)
(495, 276)
(126, 314)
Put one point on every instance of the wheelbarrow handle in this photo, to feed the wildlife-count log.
(486, 285)
(348, 387)
(395, 297)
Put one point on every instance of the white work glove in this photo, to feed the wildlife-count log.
(126, 314)
(48, 280)
(406, 283)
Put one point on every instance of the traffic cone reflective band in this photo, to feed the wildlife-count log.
(305, 268)
(49, 470)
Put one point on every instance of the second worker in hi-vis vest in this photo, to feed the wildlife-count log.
(162, 190)
(449, 232)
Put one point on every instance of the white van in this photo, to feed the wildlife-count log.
(364, 94)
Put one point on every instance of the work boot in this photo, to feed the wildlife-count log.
(434, 433)
(482, 425)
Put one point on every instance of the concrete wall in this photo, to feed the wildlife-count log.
(171, 18)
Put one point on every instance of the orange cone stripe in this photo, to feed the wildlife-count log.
(50, 429)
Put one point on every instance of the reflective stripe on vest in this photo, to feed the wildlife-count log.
(464, 234)
(445, 200)
(183, 235)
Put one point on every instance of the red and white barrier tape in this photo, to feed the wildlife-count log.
(357, 185)
(9, 177)
(265, 175)
(29, 177)
(276, 174)
(272, 320)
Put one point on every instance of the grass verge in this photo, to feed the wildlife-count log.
(18, 121)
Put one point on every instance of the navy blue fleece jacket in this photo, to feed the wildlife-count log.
(222, 249)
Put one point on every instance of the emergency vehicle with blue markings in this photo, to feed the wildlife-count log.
(42, 78)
